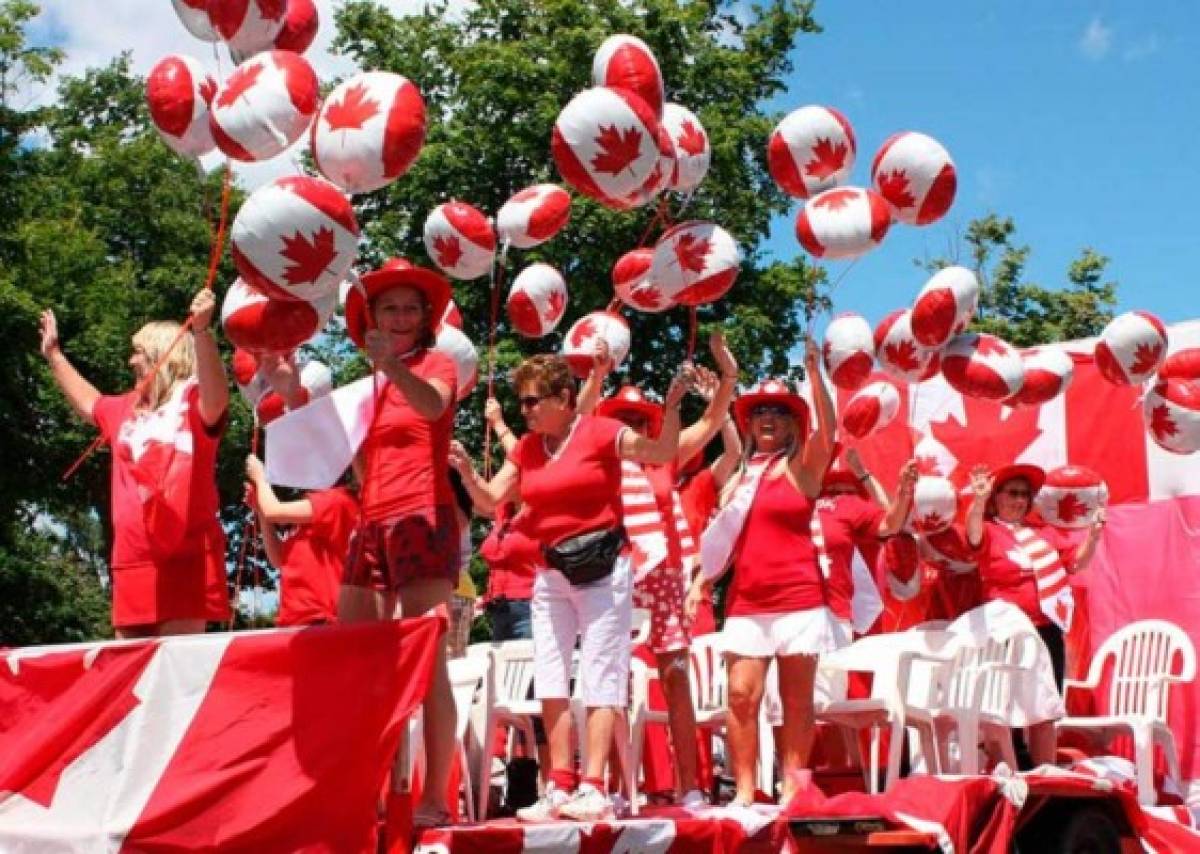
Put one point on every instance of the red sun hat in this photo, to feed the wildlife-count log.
(395, 273)
(840, 473)
(630, 400)
(771, 391)
(1035, 475)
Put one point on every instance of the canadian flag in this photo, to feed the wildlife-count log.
(275, 740)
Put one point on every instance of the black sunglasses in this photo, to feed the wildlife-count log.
(769, 409)
(529, 401)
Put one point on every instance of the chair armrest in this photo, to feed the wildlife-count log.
(904, 671)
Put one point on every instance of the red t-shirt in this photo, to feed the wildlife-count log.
(1003, 577)
(512, 556)
(578, 489)
(131, 436)
(698, 494)
(774, 563)
(313, 557)
(406, 455)
(847, 522)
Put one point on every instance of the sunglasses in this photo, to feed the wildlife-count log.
(1016, 493)
(770, 409)
(529, 401)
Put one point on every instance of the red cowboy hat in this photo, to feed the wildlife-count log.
(771, 391)
(1035, 475)
(840, 473)
(395, 273)
(631, 400)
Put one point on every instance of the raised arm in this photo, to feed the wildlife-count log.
(486, 495)
(981, 487)
(808, 468)
(593, 387)
(696, 437)
(662, 448)
(428, 397)
(1087, 548)
(81, 395)
(494, 416)
(871, 483)
(284, 379)
(267, 503)
(271, 542)
(210, 370)
(897, 511)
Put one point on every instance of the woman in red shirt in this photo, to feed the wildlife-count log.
(567, 472)
(404, 557)
(168, 558)
(1027, 565)
(779, 603)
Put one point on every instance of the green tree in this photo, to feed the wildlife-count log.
(1025, 313)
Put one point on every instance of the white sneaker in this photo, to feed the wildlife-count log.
(587, 804)
(621, 806)
(693, 800)
(546, 807)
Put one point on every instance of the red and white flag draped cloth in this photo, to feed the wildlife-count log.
(1148, 563)
(275, 740)
(643, 523)
(1053, 584)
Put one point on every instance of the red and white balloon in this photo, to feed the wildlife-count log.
(250, 382)
(844, 222)
(660, 176)
(460, 240)
(193, 14)
(605, 144)
(369, 131)
(260, 324)
(945, 306)
(982, 366)
(949, 550)
(248, 26)
(458, 347)
(916, 176)
(898, 351)
(1172, 413)
(810, 151)
(451, 316)
(537, 300)
(295, 238)
(300, 26)
(632, 283)
(579, 346)
(695, 263)
(693, 153)
(1048, 373)
(1131, 348)
(934, 505)
(1181, 365)
(316, 380)
(1071, 496)
(626, 62)
(265, 105)
(533, 216)
(178, 93)
(849, 351)
(871, 409)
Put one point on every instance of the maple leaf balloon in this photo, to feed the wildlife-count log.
(193, 14)
(626, 62)
(1172, 411)
(1131, 347)
(260, 324)
(265, 105)
(533, 215)
(460, 240)
(537, 301)
(692, 152)
(1071, 496)
(579, 345)
(248, 26)
(632, 285)
(916, 176)
(300, 26)
(811, 150)
(843, 223)
(899, 353)
(310, 256)
(849, 351)
(695, 263)
(354, 108)
(447, 250)
(178, 93)
(982, 366)
(828, 158)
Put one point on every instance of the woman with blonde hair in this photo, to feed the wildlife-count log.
(168, 558)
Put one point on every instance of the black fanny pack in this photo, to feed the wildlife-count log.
(588, 557)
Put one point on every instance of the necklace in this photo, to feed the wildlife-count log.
(554, 454)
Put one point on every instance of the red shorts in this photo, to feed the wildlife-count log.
(190, 586)
(387, 554)
(662, 593)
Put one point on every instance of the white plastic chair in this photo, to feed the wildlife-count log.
(505, 704)
(1144, 656)
(467, 679)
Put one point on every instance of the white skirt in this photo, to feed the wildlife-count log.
(811, 632)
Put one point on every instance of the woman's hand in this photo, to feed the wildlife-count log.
(696, 594)
(492, 413)
(254, 468)
(909, 473)
(602, 363)
(1099, 520)
(727, 365)
(49, 331)
(812, 354)
(378, 346)
(459, 459)
(203, 305)
(981, 481)
(684, 378)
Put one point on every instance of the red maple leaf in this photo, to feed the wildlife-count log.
(1071, 508)
(928, 465)
(691, 252)
(985, 435)
(691, 139)
(448, 251)
(618, 149)
(1145, 358)
(583, 331)
(239, 83)
(894, 187)
(353, 110)
(310, 258)
(827, 159)
(835, 200)
(1162, 424)
(555, 304)
(903, 355)
(989, 345)
(929, 522)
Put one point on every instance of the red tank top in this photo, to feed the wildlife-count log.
(775, 565)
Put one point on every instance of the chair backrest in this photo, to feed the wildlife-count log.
(641, 626)
(971, 675)
(707, 672)
(640, 677)
(512, 670)
(467, 677)
(1144, 655)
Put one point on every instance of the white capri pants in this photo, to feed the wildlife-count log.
(601, 614)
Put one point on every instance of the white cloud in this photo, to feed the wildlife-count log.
(1096, 40)
(1142, 48)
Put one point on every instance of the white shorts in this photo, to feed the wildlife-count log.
(602, 615)
(810, 632)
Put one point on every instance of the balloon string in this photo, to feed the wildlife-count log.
(214, 260)
(660, 215)
(249, 531)
(493, 321)
(691, 345)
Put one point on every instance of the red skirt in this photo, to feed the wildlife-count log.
(387, 554)
(188, 586)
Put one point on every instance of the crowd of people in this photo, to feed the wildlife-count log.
(602, 505)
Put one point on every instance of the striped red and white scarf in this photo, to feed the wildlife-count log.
(645, 527)
(1053, 583)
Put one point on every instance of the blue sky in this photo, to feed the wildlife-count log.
(1079, 120)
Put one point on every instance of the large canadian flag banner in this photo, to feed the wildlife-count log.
(277, 740)
(1148, 563)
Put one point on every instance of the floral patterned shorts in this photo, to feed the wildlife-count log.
(387, 554)
(662, 593)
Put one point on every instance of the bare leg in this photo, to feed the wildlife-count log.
(362, 604)
(681, 717)
(600, 723)
(797, 673)
(133, 632)
(1043, 743)
(557, 719)
(746, 676)
(179, 627)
